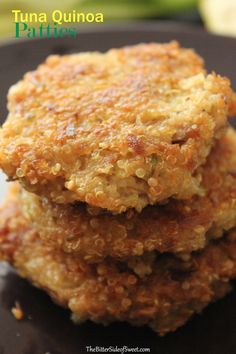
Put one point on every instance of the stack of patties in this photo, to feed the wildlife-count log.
(126, 205)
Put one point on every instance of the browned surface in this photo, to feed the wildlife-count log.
(179, 226)
(117, 130)
(163, 292)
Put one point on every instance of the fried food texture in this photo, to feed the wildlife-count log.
(160, 291)
(178, 226)
(117, 130)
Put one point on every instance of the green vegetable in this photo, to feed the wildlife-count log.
(153, 159)
(112, 9)
(131, 9)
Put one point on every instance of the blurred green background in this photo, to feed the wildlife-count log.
(217, 15)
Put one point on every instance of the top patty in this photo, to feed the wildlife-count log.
(117, 130)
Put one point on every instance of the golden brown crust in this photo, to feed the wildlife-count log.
(117, 130)
(179, 226)
(161, 291)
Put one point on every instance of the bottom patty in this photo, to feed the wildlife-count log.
(161, 291)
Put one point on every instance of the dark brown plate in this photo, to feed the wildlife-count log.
(47, 328)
